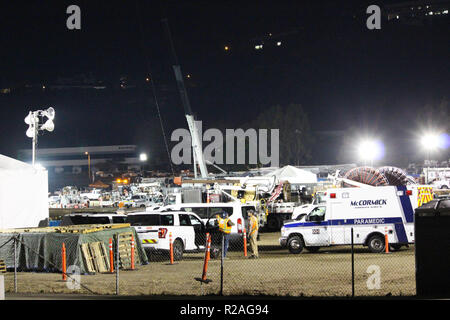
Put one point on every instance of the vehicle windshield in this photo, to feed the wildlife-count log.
(319, 198)
(201, 212)
(317, 214)
(150, 220)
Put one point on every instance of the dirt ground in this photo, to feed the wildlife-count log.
(276, 273)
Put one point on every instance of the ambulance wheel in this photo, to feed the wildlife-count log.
(177, 250)
(312, 249)
(295, 244)
(376, 243)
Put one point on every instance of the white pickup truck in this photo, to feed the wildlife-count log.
(441, 184)
(95, 194)
(154, 229)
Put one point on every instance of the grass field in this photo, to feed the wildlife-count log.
(277, 273)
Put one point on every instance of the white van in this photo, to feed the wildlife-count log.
(372, 212)
(237, 212)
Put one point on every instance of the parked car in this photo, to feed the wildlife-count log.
(141, 201)
(95, 194)
(154, 228)
(208, 211)
(441, 184)
(92, 218)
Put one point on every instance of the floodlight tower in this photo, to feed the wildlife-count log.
(34, 125)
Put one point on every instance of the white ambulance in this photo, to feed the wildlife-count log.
(372, 213)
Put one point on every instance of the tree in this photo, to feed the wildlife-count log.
(295, 132)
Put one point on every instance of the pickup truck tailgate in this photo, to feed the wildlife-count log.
(147, 235)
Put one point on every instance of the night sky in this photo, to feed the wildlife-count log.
(343, 74)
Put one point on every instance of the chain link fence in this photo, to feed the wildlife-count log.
(336, 271)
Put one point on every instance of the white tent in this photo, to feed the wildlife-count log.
(23, 194)
(293, 175)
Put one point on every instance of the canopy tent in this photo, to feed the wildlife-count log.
(293, 175)
(23, 194)
(99, 184)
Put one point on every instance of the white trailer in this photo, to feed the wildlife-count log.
(371, 212)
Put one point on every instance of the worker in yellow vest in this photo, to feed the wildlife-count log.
(225, 225)
(253, 233)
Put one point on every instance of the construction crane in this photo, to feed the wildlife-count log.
(195, 139)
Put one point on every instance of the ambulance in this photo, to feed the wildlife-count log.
(371, 212)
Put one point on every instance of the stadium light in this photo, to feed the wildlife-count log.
(143, 157)
(430, 141)
(33, 121)
(370, 150)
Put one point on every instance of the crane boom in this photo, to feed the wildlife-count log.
(195, 139)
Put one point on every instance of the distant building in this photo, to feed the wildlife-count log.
(74, 160)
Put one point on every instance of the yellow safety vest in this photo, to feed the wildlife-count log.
(253, 225)
(223, 225)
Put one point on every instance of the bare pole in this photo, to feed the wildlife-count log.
(34, 122)
(15, 265)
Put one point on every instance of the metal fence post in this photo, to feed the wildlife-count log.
(353, 267)
(15, 265)
(117, 264)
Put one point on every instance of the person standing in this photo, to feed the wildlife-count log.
(253, 233)
(225, 225)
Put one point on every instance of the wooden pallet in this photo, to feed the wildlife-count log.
(88, 260)
(100, 256)
(95, 256)
(125, 250)
(2, 266)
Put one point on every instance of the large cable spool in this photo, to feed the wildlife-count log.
(395, 176)
(366, 175)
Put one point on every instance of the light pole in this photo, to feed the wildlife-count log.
(89, 165)
(143, 158)
(34, 126)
